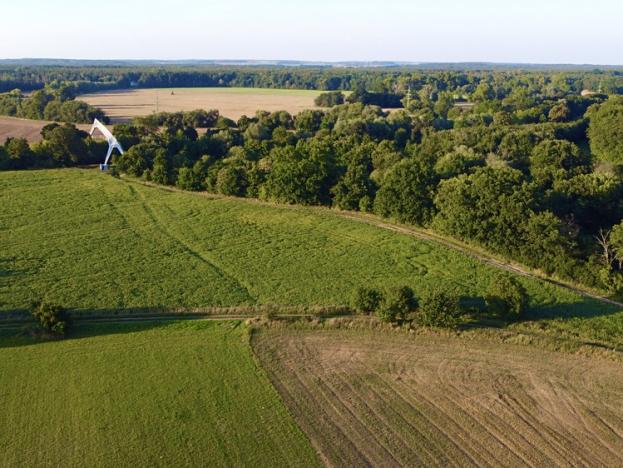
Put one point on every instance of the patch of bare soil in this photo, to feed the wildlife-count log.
(384, 400)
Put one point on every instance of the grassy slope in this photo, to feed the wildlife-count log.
(185, 394)
(87, 240)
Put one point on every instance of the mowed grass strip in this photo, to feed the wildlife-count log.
(386, 399)
(177, 394)
(87, 240)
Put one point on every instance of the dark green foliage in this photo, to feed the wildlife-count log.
(460, 161)
(606, 130)
(137, 159)
(366, 300)
(65, 145)
(488, 207)
(507, 298)
(439, 308)
(187, 179)
(355, 185)
(407, 192)
(561, 112)
(49, 104)
(555, 160)
(331, 99)
(546, 244)
(515, 148)
(52, 318)
(18, 153)
(161, 171)
(397, 304)
(231, 180)
(301, 174)
(194, 119)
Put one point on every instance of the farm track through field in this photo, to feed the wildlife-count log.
(369, 399)
(190, 249)
(488, 259)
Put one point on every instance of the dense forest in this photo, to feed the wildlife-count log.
(522, 164)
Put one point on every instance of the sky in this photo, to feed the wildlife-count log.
(518, 31)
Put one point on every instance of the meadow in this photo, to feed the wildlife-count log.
(122, 106)
(89, 241)
(385, 399)
(153, 394)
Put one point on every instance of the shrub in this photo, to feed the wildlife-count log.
(439, 308)
(330, 99)
(396, 304)
(507, 298)
(366, 300)
(51, 317)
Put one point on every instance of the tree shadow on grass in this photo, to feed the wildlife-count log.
(582, 308)
(18, 337)
(585, 308)
(16, 326)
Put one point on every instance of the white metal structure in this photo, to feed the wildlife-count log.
(112, 141)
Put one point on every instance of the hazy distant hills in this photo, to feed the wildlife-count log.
(302, 63)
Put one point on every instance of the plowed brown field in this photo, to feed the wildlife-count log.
(385, 400)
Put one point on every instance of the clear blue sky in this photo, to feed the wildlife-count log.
(540, 31)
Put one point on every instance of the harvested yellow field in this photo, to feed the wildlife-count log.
(377, 399)
(11, 127)
(123, 105)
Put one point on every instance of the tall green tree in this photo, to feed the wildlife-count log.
(407, 192)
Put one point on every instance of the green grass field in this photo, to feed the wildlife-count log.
(180, 394)
(86, 240)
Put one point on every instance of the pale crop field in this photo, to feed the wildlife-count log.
(123, 105)
(384, 399)
(12, 127)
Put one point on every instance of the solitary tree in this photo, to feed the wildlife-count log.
(507, 298)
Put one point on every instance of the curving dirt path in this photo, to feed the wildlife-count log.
(479, 255)
(424, 234)
(369, 399)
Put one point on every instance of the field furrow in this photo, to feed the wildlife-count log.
(444, 401)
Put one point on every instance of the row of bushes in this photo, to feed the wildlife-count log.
(439, 307)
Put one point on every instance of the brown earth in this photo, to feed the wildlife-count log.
(382, 399)
(123, 105)
(11, 127)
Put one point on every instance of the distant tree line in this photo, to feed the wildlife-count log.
(533, 178)
(392, 80)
